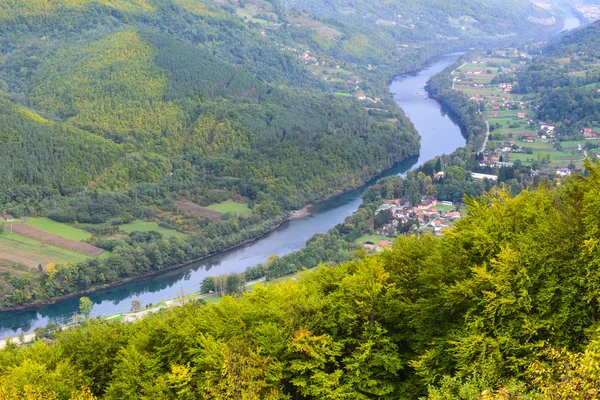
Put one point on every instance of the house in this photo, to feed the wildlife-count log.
(361, 96)
(371, 246)
(504, 164)
(494, 114)
(521, 115)
(439, 175)
(427, 202)
(480, 177)
(562, 172)
(385, 243)
(529, 139)
(453, 215)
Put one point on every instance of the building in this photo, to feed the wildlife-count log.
(480, 177)
(562, 172)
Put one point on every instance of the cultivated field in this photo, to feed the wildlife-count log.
(143, 226)
(230, 207)
(198, 211)
(55, 240)
(64, 230)
(23, 250)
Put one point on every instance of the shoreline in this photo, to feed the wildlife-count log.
(301, 213)
(139, 278)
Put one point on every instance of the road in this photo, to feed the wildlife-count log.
(487, 134)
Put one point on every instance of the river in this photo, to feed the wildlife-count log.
(571, 21)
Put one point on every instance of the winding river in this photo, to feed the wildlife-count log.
(439, 135)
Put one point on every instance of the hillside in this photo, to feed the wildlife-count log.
(505, 303)
(427, 17)
(563, 83)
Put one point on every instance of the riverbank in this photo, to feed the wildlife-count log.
(140, 278)
(288, 236)
(293, 215)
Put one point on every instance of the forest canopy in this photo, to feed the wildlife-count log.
(506, 302)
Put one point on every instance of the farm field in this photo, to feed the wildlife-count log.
(187, 207)
(503, 109)
(373, 239)
(64, 230)
(20, 249)
(55, 240)
(144, 226)
(230, 207)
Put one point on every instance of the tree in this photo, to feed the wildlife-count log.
(207, 285)
(136, 305)
(438, 165)
(85, 306)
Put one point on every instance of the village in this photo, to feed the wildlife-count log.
(400, 217)
(516, 133)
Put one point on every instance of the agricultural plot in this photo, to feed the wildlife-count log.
(31, 253)
(230, 207)
(187, 207)
(143, 226)
(55, 240)
(64, 230)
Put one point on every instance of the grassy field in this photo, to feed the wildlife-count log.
(373, 238)
(230, 207)
(444, 208)
(59, 229)
(33, 246)
(143, 226)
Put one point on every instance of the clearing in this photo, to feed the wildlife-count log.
(230, 207)
(187, 207)
(373, 239)
(143, 226)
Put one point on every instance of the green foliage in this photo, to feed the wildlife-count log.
(85, 306)
(504, 303)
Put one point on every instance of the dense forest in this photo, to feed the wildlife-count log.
(504, 305)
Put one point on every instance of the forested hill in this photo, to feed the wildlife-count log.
(504, 306)
(188, 89)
